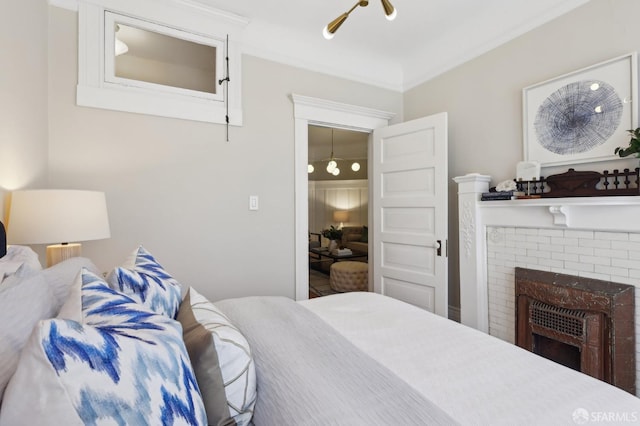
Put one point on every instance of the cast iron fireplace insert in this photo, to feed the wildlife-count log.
(582, 323)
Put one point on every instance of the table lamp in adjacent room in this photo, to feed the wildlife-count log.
(60, 216)
(341, 216)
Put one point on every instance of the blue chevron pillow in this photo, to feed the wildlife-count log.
(145, 281)
(122, 365)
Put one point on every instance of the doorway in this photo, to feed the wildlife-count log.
(313, 111)
(338, 196)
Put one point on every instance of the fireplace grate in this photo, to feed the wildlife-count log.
(567, 321)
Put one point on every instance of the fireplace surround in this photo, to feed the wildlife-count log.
(593, 237)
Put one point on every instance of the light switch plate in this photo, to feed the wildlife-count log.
(253, 202)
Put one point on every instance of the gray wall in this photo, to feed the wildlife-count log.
(181, 190)
(23, 95)
(484, 96)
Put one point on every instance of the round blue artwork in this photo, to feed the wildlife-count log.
(578, 117)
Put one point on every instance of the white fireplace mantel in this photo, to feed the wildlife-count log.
(609, 214)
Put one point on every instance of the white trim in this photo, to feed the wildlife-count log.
(110, 77)
(114, 98)
(188, 6)
(322, 112)
(95, 91)
(425, 68)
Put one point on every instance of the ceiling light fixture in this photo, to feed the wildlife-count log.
(329, 31)
(121, 46)
(389, 11)
(332, 165)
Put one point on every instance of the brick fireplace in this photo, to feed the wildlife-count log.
(589, 237)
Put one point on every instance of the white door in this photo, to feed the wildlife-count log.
(409, 202)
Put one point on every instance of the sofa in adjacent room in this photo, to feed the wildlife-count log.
(356, 238)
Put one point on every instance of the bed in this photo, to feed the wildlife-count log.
(347, 359)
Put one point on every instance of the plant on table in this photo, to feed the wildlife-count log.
(332, 233)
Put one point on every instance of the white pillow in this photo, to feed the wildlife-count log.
(60, 279)
(22, 305)
(17, 256)
(122, 364)
(28, 296)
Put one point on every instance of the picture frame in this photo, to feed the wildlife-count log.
(581, 116)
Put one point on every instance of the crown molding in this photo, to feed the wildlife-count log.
(262, 40)
(190, 6)
(423, 68)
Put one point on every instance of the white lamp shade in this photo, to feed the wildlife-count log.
(48, 216)
(341, 216)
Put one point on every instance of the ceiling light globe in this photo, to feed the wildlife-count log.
(335, 171)
(121, 47)
(393, 15)
(330, 168)
(310, 168)
(326, 33)
(355, 166)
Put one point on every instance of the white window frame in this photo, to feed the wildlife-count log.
(96, 88)
(112, 18)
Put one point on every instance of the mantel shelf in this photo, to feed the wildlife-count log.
(564, 201)
(597, 213)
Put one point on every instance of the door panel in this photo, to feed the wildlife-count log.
(413, 220)
(408, 183)
(409, 202)
(422, 297)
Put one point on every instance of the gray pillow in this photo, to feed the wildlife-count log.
(221, 360)
(205, 363)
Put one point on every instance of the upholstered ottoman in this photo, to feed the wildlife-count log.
(349, 276)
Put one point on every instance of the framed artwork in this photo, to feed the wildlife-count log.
(582, 116)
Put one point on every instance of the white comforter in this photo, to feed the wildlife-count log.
(475, 378)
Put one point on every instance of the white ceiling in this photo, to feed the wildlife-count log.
(427, 38)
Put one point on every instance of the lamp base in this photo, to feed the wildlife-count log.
(58, 252)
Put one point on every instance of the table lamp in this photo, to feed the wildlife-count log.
(341, 216)
(61, 216)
